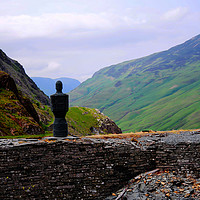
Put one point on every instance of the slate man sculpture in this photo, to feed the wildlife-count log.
(59, 107)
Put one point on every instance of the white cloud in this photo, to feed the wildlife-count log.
(175, 14)
(77, 38)
(51, 69)
(62, 24)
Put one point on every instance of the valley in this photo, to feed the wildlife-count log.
(159, 92)
(25, 109)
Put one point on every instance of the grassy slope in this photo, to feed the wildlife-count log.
(13, 116)
(81, 119)
(15, 120)
(159, 92)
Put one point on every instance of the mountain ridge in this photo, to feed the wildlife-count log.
(22, 80)
(129, 91)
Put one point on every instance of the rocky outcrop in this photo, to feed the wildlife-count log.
(8, 83)
(159, 185)
(105, 125)
(17, 113)
(110, 126)
(22, 80)
(30, 108)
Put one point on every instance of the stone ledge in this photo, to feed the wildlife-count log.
(88, 168)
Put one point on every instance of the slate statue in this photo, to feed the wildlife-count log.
(59, 107)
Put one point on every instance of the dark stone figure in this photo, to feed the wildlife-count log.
(59, 107)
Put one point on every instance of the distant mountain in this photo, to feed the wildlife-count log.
(48, 85)
(22, 80)
(160, 91)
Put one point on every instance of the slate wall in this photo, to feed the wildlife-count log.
(84, 169)
(69, 170)
(182, 157)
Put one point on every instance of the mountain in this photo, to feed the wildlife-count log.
(160, 91)
(17, 114)
(23, 106)
(23, 81)
(25, 115)
(48, 85)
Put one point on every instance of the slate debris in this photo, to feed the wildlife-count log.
(160, 185)
(174, 139)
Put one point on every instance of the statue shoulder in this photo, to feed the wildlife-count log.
(58, 94)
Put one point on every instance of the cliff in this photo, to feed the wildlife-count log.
(23, 81)
(17, 114)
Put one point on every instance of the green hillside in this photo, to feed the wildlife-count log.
(17, 114)
(160, 91)
(25, 110)
(87, 121)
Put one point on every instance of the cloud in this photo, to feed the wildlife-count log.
(42, 70)
(73, 39)
(52, 67)
(70, 25)
(175, 14)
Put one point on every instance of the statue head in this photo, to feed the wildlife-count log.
(59, 87)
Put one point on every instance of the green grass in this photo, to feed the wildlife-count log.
(47, 134)
(158, 92)
(13, 116)
(45, 113)
(81, 119)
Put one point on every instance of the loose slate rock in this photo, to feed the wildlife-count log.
(160, 186)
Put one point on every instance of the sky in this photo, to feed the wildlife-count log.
(76, 38)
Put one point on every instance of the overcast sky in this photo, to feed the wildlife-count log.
(75, 38)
